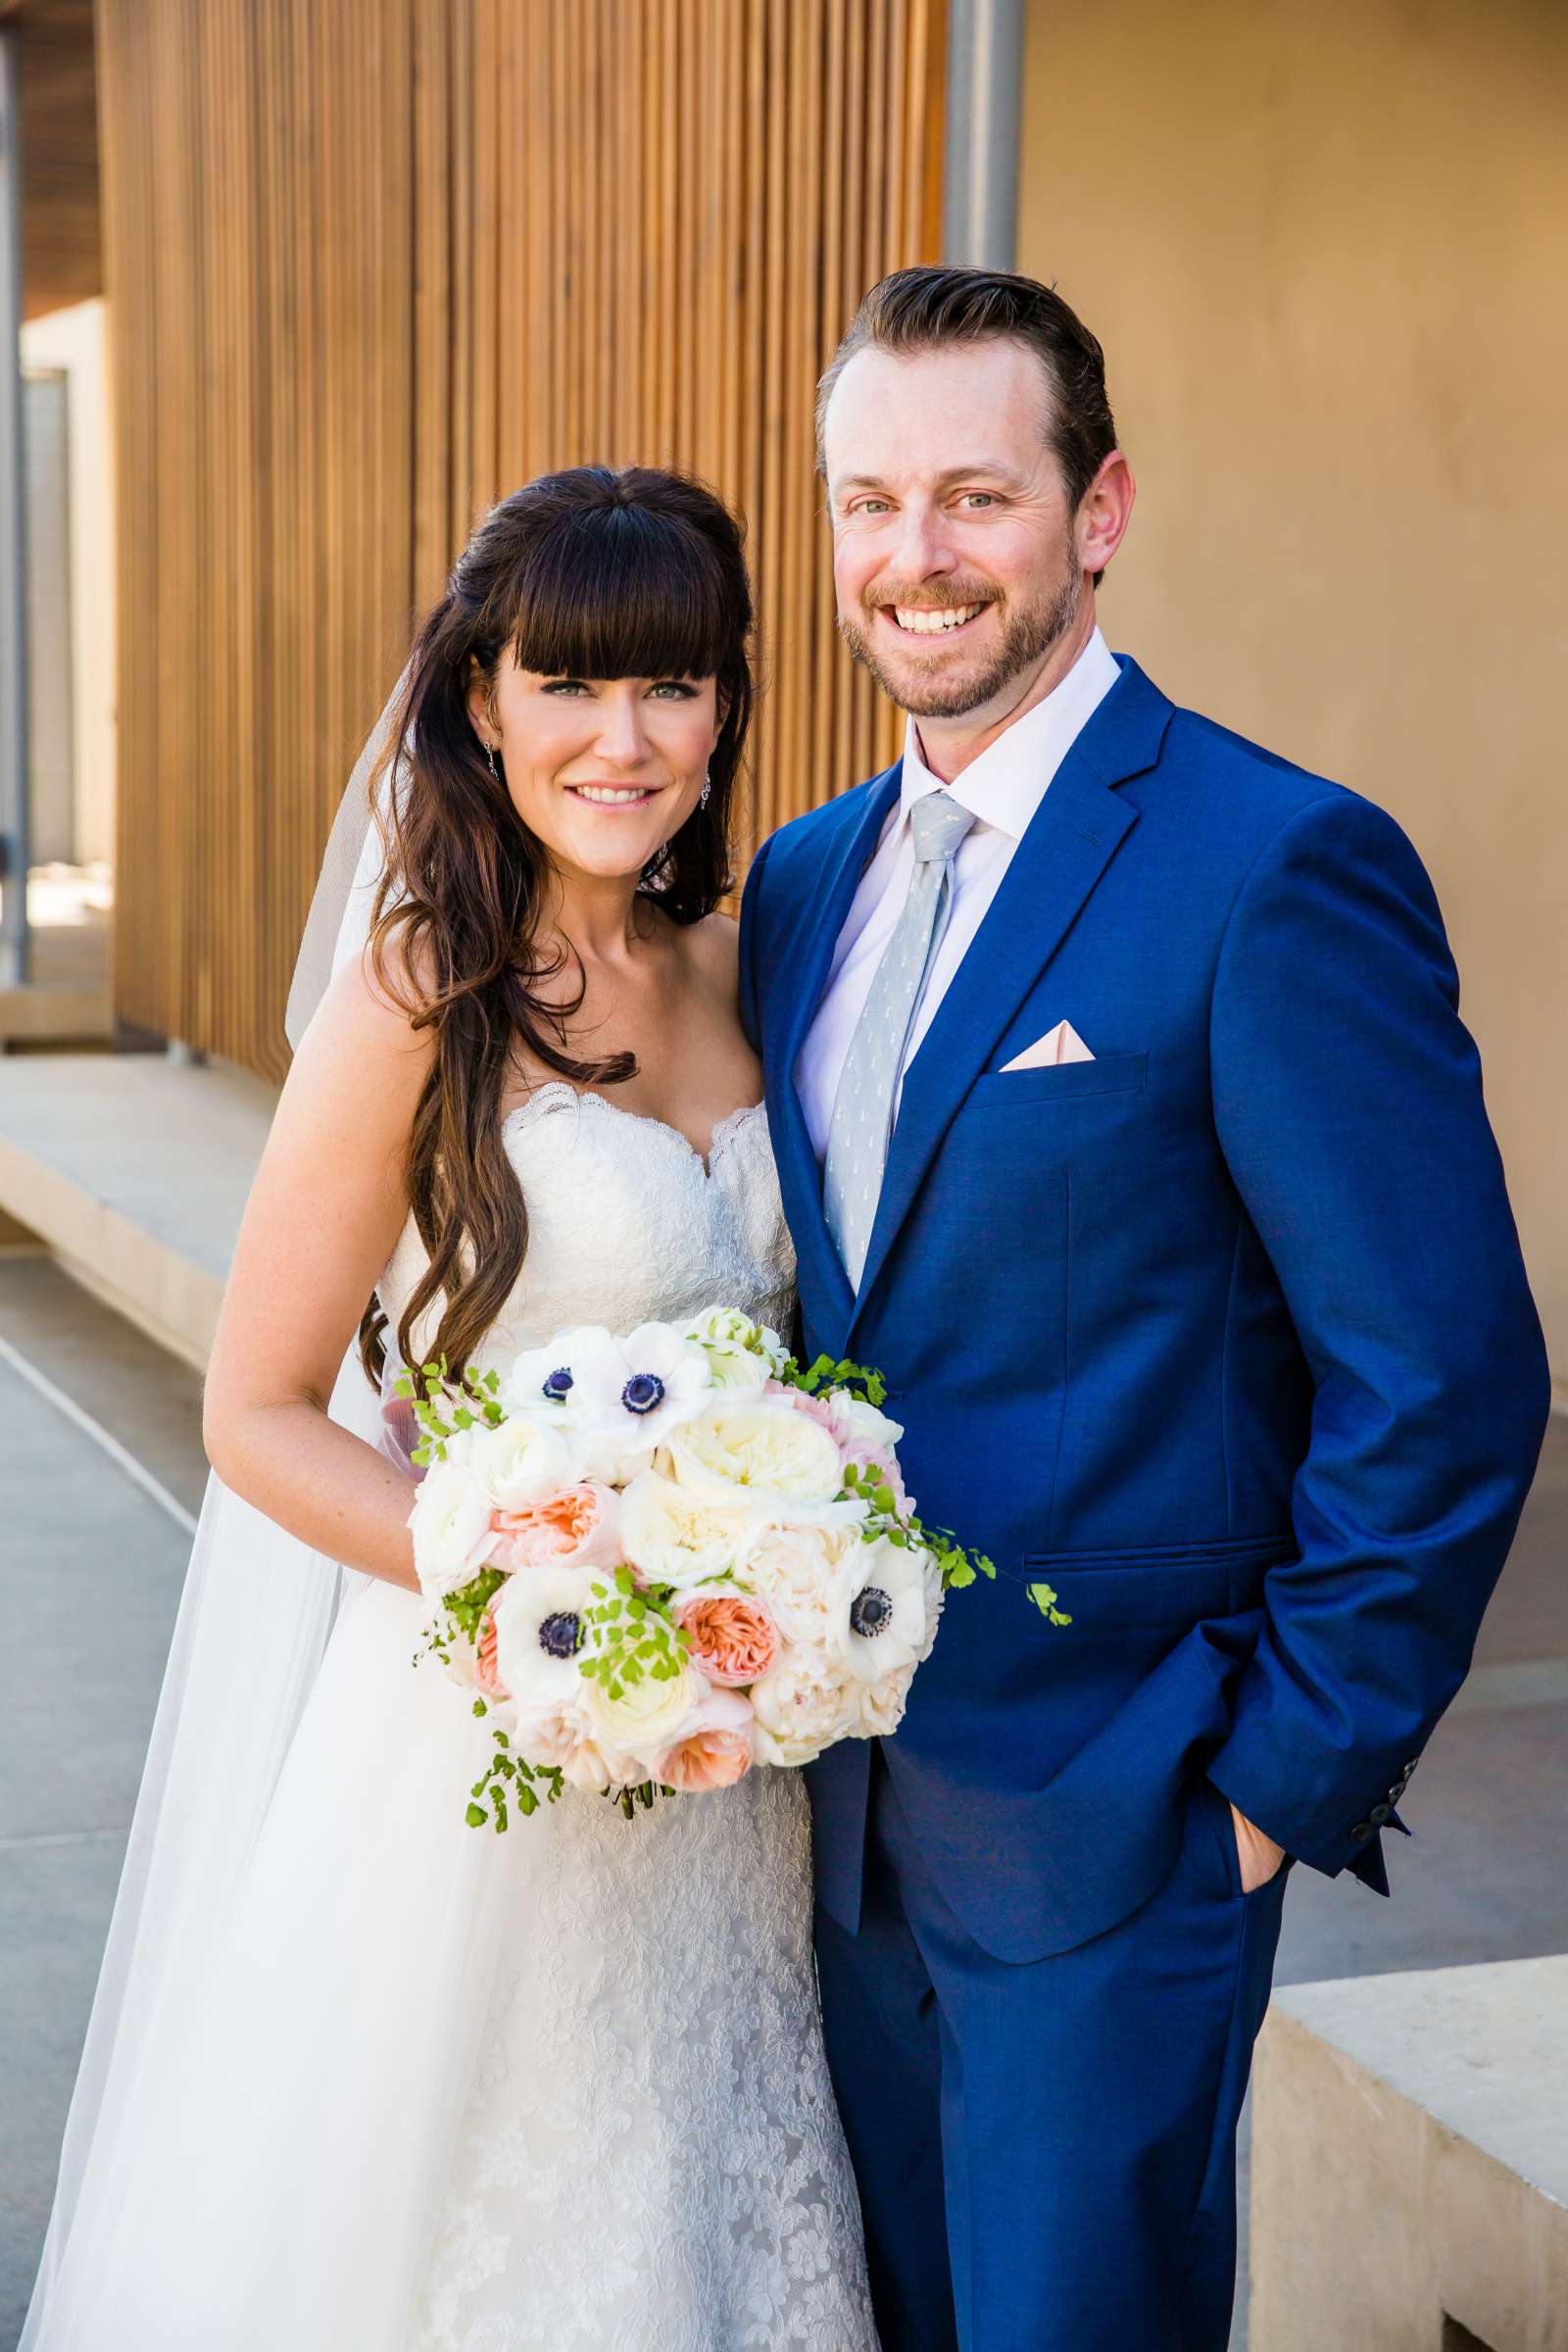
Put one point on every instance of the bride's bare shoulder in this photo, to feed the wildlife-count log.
(362, 1052)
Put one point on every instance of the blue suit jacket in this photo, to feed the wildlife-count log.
(1224, 1334)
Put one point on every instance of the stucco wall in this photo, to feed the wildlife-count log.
(1324, 250)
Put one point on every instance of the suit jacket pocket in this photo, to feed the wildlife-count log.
(1062, 1082)
(1166, 1584)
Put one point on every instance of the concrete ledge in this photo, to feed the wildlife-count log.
(1409, 2187)
(56, 1015)
(135, 1173)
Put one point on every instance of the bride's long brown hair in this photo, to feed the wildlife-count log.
(586, 573)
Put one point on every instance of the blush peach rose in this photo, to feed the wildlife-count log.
(733, 1639)
(716, 1749)
(573, 1529)
(486, 1664)
(707, 1760)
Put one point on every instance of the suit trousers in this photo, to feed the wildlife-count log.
(1047, 2153)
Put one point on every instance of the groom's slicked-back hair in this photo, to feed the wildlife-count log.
(931, 308)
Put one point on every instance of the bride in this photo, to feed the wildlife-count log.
(359, 2075)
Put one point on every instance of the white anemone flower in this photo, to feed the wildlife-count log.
(540, 1636)
(573, 1374)
(887, 1612)
(618, 1398)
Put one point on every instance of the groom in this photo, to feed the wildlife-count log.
(1125, 1118)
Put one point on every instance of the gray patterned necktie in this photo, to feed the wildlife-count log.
(862, 1108)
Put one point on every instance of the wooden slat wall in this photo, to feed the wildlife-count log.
(372, 266)
(62, 244)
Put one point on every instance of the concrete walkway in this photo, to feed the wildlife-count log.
(90, 1572)
(91, 1564)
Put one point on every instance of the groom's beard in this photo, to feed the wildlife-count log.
(1028, 633)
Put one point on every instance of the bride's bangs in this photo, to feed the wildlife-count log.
(621, 593)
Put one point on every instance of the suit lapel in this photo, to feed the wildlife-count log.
(800, 1177)
(1071, 839)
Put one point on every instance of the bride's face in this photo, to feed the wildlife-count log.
(603, 772)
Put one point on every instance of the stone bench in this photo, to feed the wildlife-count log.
(133, 1171)
(1409, 2183)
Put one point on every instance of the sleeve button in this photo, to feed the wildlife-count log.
(1380, 1814)
(1361, 1833)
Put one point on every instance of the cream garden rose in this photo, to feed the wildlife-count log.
(648, 1716)
(758, 1445)
(669, 1532)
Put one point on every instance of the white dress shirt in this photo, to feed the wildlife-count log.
(1003, 788)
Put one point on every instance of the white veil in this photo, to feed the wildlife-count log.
(253, 1628)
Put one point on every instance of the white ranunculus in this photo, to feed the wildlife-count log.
(646, 1718)
(804, 1572)
(523, 1459)
(886, 1615)
(758, 1445)
(450, 1523)
(741, 1353)
(799, 1709)
(859, 1427)
(676, 1536)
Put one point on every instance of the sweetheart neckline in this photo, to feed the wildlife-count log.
(729, 1125)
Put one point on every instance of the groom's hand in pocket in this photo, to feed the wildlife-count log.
(1259, 1854)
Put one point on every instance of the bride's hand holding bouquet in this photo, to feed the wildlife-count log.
(661, 1560)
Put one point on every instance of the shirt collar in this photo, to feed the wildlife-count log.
(1006, 784)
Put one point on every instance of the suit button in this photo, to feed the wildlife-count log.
(1380, 1814)
(1412, 1765)
(1361, 1833)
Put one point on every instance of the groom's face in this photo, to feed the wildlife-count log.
(953, 551)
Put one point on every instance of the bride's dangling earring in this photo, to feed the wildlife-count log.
(490, 754)
(707, 786)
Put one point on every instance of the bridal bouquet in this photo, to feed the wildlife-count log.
(662, 1559)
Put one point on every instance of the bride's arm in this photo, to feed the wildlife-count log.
(325, 1209)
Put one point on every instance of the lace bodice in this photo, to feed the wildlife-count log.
(626, 1224)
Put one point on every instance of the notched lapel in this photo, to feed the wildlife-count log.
(800, 1177)
(1072, 837)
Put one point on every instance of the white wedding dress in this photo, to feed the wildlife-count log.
(455, 2092)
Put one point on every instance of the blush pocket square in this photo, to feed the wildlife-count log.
(1059, 1045)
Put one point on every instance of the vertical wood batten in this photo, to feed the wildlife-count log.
(370, 267)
